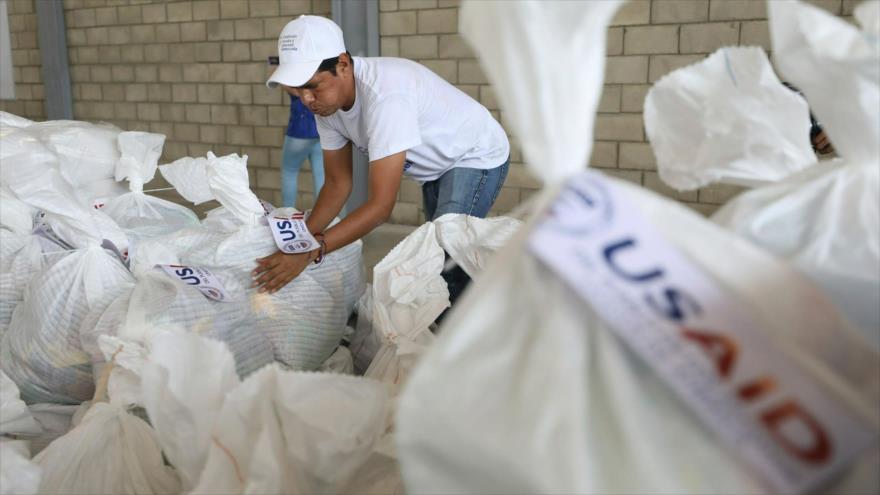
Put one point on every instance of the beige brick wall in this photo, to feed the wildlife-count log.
(193, 70)
(647, 39)
(29, 93)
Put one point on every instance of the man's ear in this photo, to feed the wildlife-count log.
(344, 63)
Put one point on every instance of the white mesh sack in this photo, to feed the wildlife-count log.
(620, 343)
(825, 219)
(21, 258)
(275, 432)
(41, 351)
(12, 120)
(139, 215)
(305, 320)
(19, 475)
(15, 215)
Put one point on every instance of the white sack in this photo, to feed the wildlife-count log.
(296, 433)
(109, 452)
(729, 119)
(546, 398)
(54, 419)
(184, 384)
(18, 474)
(41, 351)
(15, 215)
(15, 419)
(826, 220)
(12, 120)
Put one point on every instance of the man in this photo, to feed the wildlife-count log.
(405, 118)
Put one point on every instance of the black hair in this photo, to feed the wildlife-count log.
(329, 64)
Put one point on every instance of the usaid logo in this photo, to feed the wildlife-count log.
(583, 207)
(407, 165)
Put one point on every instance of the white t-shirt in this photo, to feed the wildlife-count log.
(401, 105)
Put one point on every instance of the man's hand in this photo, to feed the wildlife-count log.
(277, 270)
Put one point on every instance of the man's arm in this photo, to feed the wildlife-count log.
(336, 189)
(277, 270)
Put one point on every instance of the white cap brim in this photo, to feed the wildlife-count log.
(293, 74)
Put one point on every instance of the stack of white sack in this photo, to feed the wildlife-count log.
(823, 217)
(621, 343)
(141, 216)
(41, 350)
(275, 432)
(86, 154)
(408, 293)
(300, 325)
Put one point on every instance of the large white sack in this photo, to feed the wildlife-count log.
(15, 419)
(21, 258)
(547, 398)
(276, 432)
(18, 474)
(727, 118)
(304, 320)
(86, 152)
(297, 433)
(15, 215)
(156, 302)
(826, 220)
(41, 350)
(569, 407)
(109, 452)
(139, 215)
(54, 419)
(409, 293)
(12, 120)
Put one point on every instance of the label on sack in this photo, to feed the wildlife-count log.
(787, 429)
(291, 234)
(200, 278)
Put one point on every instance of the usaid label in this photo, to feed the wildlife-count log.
(787, 429)
(291, 234)
(200, 278)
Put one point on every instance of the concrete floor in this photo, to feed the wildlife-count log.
(380, 241)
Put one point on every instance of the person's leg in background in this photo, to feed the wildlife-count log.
(462, 190)
(293, 154)
(316, 159)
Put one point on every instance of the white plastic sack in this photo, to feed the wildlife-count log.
(297, 433)
(54, 419)
(276, 432)
(729, 119)
(86, 152)
(41, 351)
(184, 384)
(338, 362)
(18, 474)
(139, 215)
(110, 451)
(826, 220)
(15, 419)
(12, 120)
(471, 242)
(189, 176)
(15, 215)
(546, 398)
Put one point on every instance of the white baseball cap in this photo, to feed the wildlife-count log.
(304, 43)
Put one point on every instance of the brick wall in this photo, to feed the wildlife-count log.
(26, 61)
(647, 39)
(195, 70)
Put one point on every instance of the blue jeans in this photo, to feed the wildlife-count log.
(462, 190)
(293, 154)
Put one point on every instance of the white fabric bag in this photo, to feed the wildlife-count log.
(826, 220)
(15, 419)
(304, 320)
(12, 120)
(18, 474)
(139, 215)
(727, 118)
(276, 432)
(41, 351)
(547, 397)
(109, 451)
